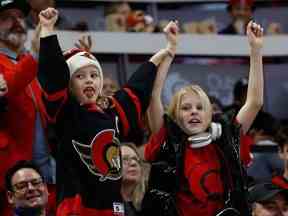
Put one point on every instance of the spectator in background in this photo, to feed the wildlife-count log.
(22, 135)
(116, 15)
(207, 26)
(26, 190)
(110, 86)
(138, 200)
(266, 161)
(32, 19)
(268, 200)
(133, 180)
(139, 21)
(274, 28)
(282, 139)
(241, 12)
(120, 18)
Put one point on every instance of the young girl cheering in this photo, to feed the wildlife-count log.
(89, 129)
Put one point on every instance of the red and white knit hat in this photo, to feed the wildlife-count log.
(77, 58)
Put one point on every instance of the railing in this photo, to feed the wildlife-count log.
(195, 45)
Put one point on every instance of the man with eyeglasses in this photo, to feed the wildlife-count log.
(26, 190)
(23, 125)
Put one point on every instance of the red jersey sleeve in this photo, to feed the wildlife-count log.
(245, 147)
(152, 148)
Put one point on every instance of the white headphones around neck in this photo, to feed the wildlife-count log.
(204, 139)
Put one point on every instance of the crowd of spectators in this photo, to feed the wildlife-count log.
(29, 143)
(122, 17)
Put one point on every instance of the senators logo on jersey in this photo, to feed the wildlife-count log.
(102, 155)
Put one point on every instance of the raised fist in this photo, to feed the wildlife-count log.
(48, 17)
(255, 35)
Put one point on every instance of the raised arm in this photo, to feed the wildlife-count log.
(155, 110)
(254, 100)
(53, 70)
(135, 97)
(141, 82)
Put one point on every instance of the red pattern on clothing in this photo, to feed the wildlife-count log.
(137, 103)
(122, 116)
(280, 181)
(201, 169)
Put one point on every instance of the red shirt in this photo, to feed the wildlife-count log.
(202, 170)
(17, 124)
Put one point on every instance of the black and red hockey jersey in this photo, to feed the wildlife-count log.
(88, 154)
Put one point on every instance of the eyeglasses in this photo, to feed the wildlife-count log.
(127, 160)
(23, 186)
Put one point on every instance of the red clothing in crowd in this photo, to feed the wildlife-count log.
(245, 149)
(280, 181)
(17, 125)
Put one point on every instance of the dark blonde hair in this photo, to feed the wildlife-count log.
(140, 189)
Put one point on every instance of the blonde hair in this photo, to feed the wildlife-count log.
(174, 106)
(140, 189)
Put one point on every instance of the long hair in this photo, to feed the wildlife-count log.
(140, 188)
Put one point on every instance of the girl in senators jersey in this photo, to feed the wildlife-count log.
(88, 162)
